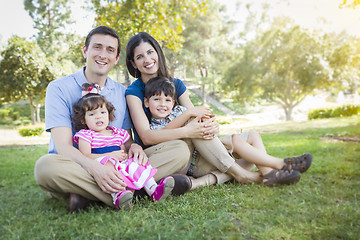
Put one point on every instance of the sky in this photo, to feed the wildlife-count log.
(319, 14)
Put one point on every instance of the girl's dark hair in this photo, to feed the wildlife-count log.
(89, 102)
(135, 41)
(157, 85)
(105, 31)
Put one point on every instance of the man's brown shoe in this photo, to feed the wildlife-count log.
(182, 184)
(78, 202)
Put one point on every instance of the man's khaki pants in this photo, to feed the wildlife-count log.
(59, 176)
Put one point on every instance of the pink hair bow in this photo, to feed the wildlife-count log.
(90, 88)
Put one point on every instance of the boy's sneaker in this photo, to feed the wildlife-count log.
(123, 199)
(163, 190)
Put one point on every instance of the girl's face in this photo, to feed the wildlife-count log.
(159, 105)
(97, 119)
(146, 60)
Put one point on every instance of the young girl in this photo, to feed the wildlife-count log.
(159, 98)
(99, 141)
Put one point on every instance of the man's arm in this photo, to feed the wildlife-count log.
(108, 179)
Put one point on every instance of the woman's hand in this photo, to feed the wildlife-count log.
(198, 111)
(196, 128)
(138, 154)
(213, 127)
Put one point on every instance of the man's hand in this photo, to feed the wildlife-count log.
(138, 154)
(106, 177)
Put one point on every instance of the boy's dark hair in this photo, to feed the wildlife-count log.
(89, 102)
(135, 41)
(106, 31)
(155, 86)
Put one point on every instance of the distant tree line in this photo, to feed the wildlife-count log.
(271, 58)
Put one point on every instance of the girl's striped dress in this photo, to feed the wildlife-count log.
(134, 175)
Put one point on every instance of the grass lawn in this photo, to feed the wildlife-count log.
(323, 205)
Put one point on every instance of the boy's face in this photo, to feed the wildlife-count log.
(101, 55)
(159, 105)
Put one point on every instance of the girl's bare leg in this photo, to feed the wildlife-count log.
(254, 151)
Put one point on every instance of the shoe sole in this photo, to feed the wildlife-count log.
(125, 201)
(169, 185)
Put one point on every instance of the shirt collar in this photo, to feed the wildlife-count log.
(81, 79)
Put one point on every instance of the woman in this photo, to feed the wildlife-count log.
(145, 60)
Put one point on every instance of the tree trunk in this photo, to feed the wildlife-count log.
(203, 95)
(32, 110)
(203, 77)
(127, 79)
(38, 118)
(288, 112)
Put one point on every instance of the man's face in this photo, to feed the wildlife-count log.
(101, 55)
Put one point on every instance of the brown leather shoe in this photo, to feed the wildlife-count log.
(182, 184)
(78, 202)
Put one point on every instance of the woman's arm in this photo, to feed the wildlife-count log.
(151, 137)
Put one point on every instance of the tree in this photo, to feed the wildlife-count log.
(343, 55)
(50, 17)
(285, 65)
(206, 44)
(350, 3)
(162, 19)
(24, 73)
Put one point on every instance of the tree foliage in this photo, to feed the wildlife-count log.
(284, 64)
(24, 73)
(162, 19)
(342, 52)
(206, 44)
(50, 18)
(350, 3)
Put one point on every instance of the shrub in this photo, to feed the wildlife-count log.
(31, 131)
(341, 111)
(4, 112)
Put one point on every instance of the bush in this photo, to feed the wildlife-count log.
(4, 113)
(341, 111)
(31, 131)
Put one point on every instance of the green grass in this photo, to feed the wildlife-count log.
(323, 205)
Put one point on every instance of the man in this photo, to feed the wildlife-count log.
(65, 172)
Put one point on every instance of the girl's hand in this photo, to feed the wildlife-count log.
(138, 154)
(119, 155)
